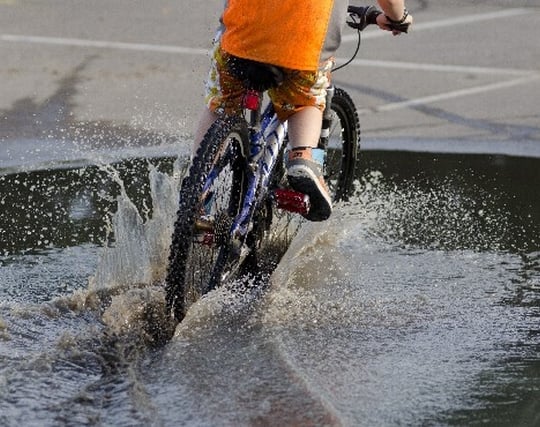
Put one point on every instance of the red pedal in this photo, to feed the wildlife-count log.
(292, 201)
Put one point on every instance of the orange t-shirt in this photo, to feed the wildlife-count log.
(286, 33)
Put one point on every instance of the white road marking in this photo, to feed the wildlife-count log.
(60, 41)
(450, 95)
(416, 66)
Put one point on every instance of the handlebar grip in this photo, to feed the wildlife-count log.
(366, 15)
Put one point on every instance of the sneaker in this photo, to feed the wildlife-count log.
(305, 174)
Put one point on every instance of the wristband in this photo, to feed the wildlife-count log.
(401, 21)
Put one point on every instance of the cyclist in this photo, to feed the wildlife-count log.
(300, 37)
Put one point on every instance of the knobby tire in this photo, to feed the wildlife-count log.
(344, 147)
(194, 267)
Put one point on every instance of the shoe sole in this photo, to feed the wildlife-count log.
(321, 205)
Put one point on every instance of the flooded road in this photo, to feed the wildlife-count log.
(425, 310)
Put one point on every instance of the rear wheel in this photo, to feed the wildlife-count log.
(343, 146)
(201, 253)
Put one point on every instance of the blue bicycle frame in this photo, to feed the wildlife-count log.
(265, 143)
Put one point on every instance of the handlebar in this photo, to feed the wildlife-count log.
(362, 16)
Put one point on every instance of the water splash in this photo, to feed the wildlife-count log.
(132, 267)
(447, 220)
(132, 256)
(445, 214)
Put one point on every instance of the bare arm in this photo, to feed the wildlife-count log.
(394, 10)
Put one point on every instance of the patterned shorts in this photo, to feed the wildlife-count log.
(298, 90)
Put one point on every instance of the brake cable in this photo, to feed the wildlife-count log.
(356, 50)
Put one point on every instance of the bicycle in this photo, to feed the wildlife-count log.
(237, 182)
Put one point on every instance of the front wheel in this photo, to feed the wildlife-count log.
(211, 195)
(343, 146)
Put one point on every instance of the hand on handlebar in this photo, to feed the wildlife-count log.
(362, 16)
(396, 28)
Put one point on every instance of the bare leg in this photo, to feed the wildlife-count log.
(305, 127)
(304, 171)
